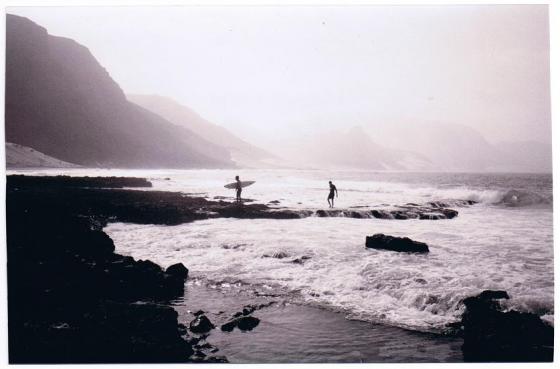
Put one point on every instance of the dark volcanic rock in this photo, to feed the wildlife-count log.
(381, 214)
(229, 326)
(493, 295)
(87, 182)
(201, 324)
(142, 207)
(450, 213)
(405, 244)
(321, 213)
(247, 323)
(73, 300)
(244, 323)
(82, 196)
(491, 334)
(178, 271)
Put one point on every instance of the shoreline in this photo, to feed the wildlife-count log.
(52, 205)
(297, 333)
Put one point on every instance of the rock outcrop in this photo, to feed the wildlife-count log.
(73, 300)
(493, 334)
(400, 244)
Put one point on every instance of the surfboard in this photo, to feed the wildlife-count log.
(243, 184)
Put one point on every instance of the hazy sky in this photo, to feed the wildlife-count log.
(273, 72)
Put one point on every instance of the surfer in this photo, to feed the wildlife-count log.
(332, 191)
(238, 189)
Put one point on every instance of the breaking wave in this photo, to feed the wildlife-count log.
(509, 198)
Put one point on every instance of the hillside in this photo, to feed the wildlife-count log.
(454, 147)
(18, 156)
(241, 151)
(354, 148)
(62, 102)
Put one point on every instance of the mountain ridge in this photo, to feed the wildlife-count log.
(185, 116)
(62, 102)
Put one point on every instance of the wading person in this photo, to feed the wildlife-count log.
(332, 191)
(238, 189)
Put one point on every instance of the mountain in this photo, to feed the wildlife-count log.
(18, 156)
(528, 156)
(242, 152)
(449, 147)
(354, 148)
(62, 102)
(454, 147)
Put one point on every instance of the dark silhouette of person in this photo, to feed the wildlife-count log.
(332, 191)
(238, 189)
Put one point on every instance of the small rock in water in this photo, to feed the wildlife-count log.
(277, 255)
(450, 213)
(229, 326)
(401, 244)
(201, 324)
(301, 260)
(247, 323)
(244, 323)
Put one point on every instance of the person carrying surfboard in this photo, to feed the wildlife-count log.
(332, 191)
(238, 188)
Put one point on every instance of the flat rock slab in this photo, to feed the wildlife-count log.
(400, 244)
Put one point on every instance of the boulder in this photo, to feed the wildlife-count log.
(492, 334)
(244, 323)
(400, 244)
(201, 324)
(321, 213)
(178, 271)
(247, 323)
(450, 213)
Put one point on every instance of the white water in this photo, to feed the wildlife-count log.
(504, 242)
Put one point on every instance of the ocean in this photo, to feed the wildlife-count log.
(504, 241)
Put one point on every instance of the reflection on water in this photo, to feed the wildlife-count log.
(292, 333)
